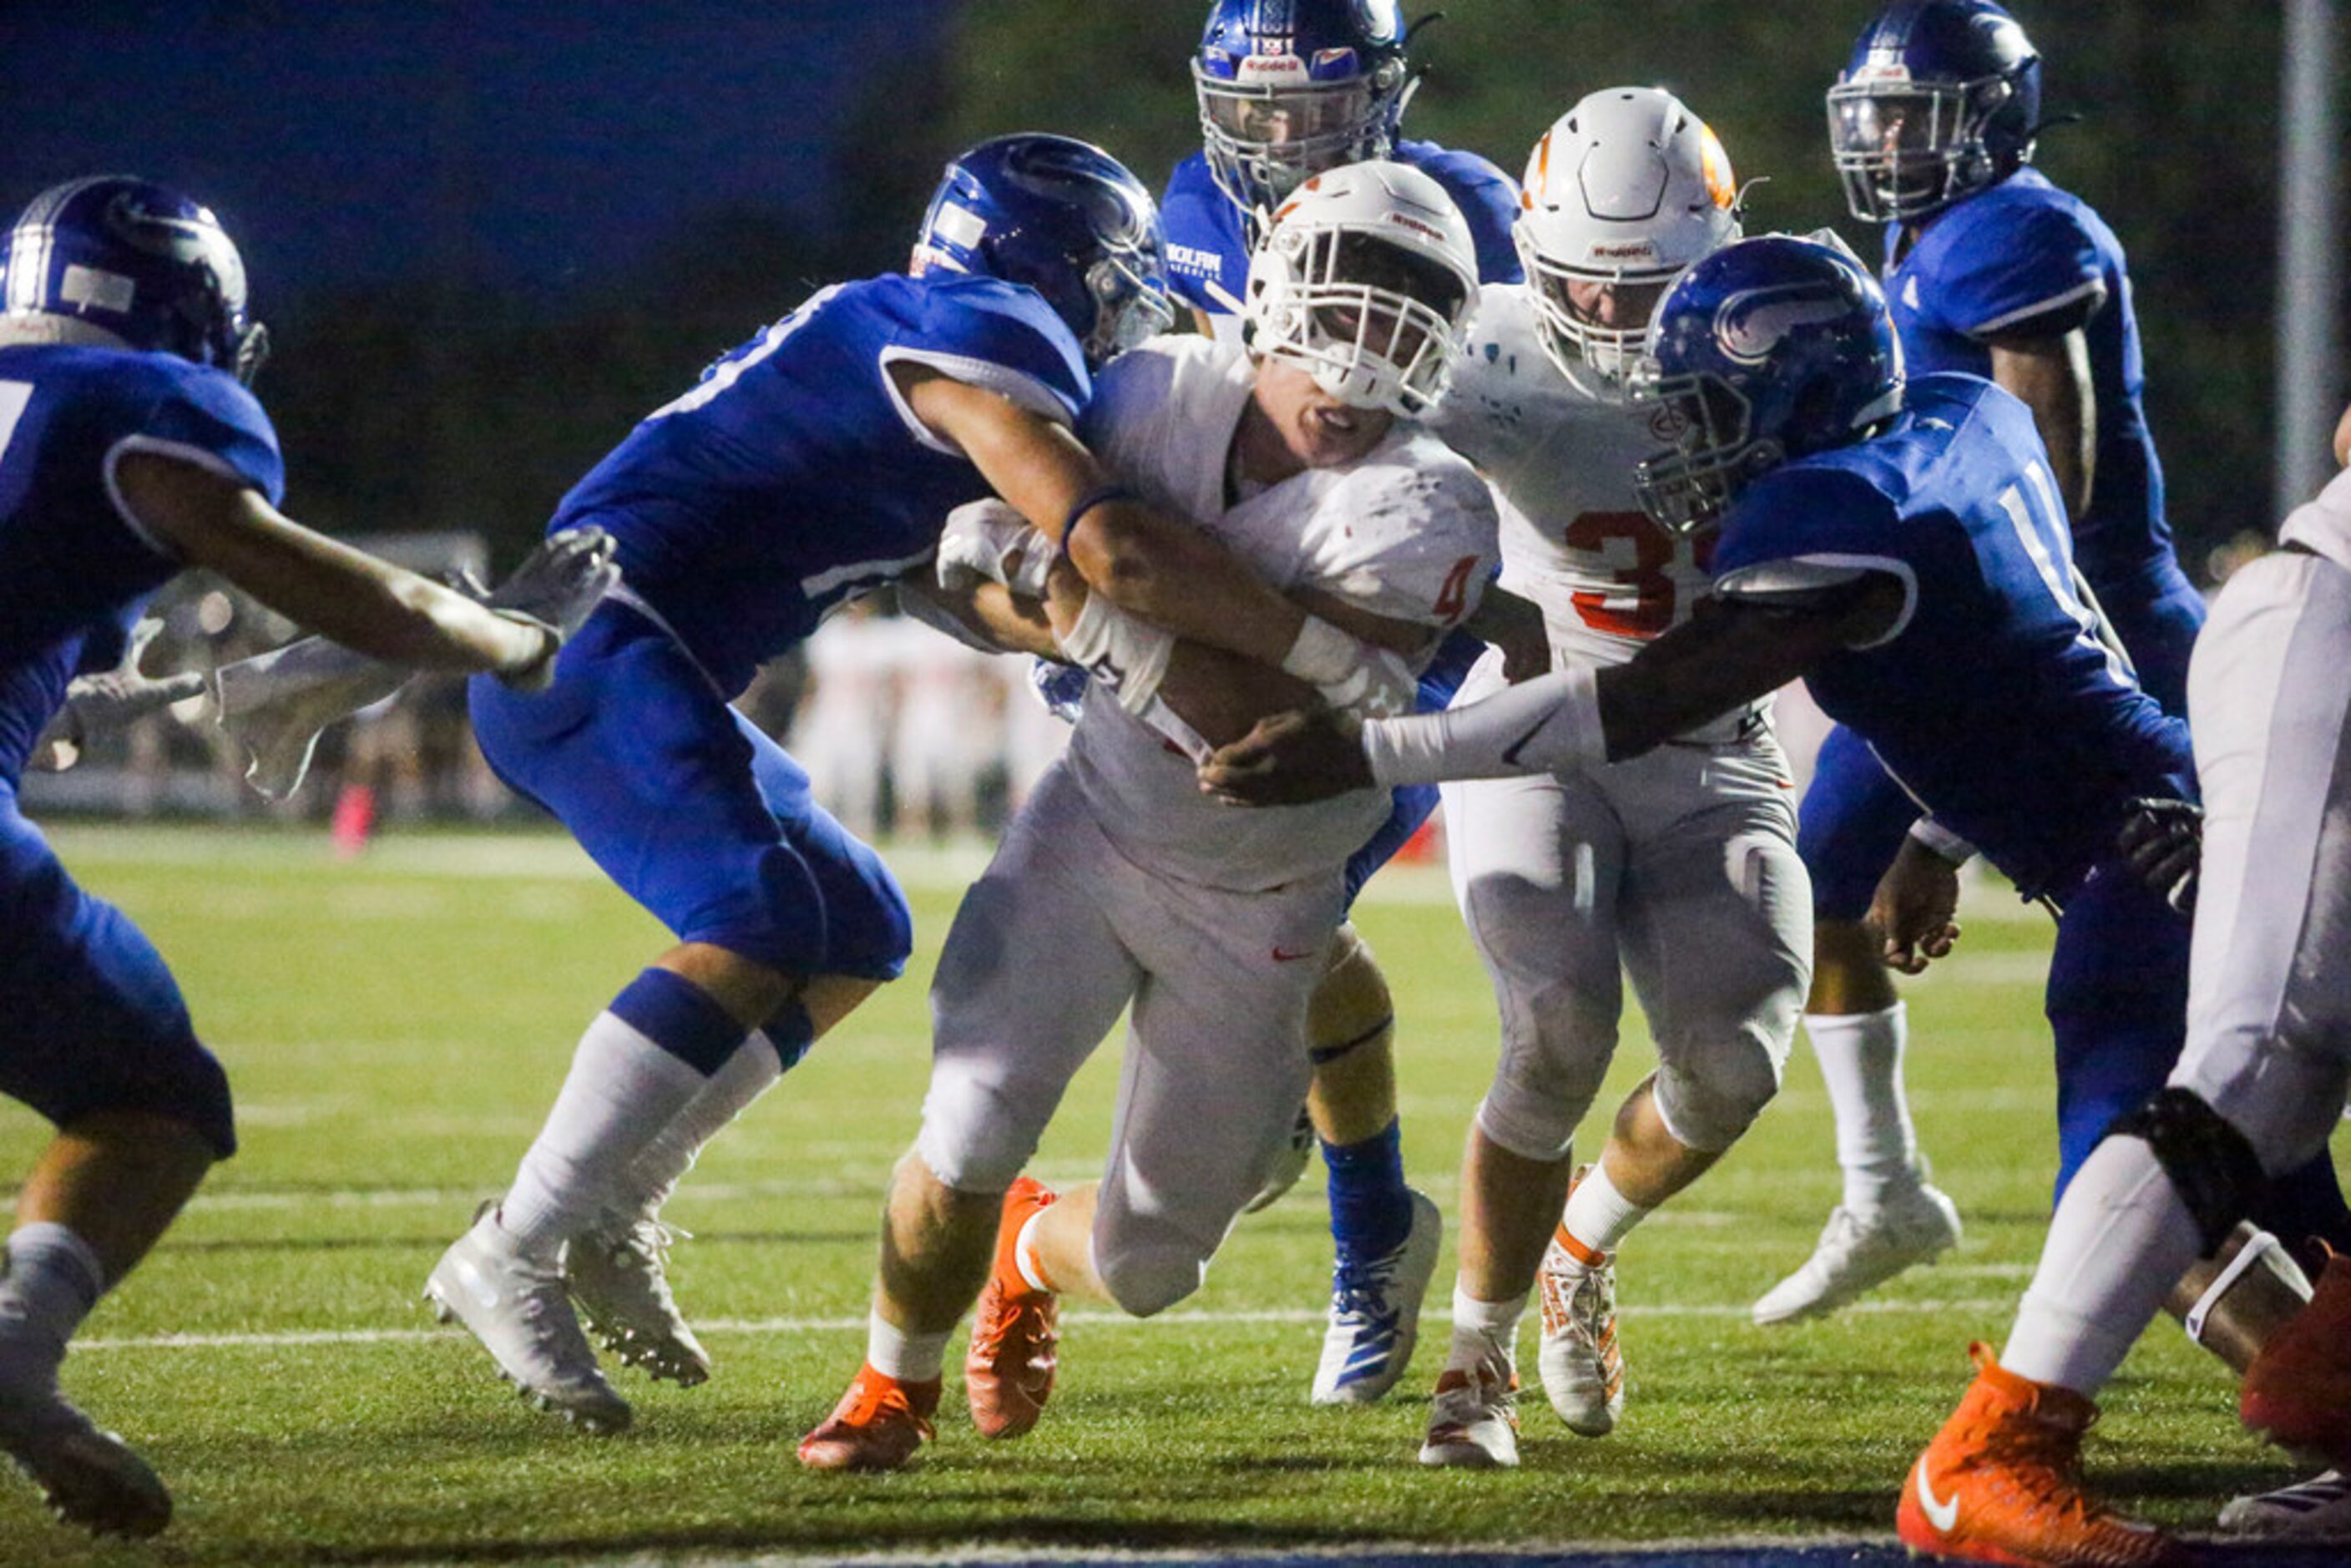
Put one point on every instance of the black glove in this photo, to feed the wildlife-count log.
(2163, 841)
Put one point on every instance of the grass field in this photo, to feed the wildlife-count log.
(396, 1027)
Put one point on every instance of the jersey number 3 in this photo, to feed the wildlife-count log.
(1644, 602)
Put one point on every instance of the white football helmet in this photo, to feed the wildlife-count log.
(1626, 188)
(1366, 279)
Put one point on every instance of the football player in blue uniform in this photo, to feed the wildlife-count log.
(815, 461)
(1287, 89)
(1991, 269)
(1901, 548)
(130, 450)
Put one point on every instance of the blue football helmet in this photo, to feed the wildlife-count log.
(1940, 99)
(1067, 219)
(140, 263)
(1771, 349)
(1293, 88)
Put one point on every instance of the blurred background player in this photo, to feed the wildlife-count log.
(817, 461)
(130, 449)
(1991, 269)
(2258, 1090)
(1287, 89)
(1121, 882)
(1680, 867)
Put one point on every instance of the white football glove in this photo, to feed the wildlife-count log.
(556, 589)
(989, 540)
(111, 699)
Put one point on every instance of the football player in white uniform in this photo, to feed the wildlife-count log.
(2257, 1092)
(1680, 866)
(1120, 883)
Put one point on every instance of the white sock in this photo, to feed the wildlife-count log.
(2120, 1240)
(54, 1279)
(909, 1357)
(622, 1089)
(1861, 1059)
(654, 1175)
(1598, 1216)
(1483, 1331)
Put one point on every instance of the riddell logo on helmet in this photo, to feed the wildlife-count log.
(1270, 67)
(1629, 251)
(1405, 221)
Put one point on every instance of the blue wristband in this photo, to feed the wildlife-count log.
(1098, 495)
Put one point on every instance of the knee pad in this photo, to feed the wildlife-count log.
(1151, 1270)
(1708, 1105)
(1543, 1086)
(2212, 1165)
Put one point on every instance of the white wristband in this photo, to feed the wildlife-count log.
(1549, 724)
(1933, 836)
(1126, 654)
(1322, 653)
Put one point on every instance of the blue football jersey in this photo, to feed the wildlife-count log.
(1207, 243)
(2019, 250)
(75, 570)
(794, 475)
(1999, 700)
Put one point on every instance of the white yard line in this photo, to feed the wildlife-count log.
(844, 1325)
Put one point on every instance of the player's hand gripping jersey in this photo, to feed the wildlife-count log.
(795, 475)
(1997, 699)
(1406, 532)
(75, 568)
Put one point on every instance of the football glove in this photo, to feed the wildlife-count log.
(2163, 841)
(556, 587)
(987, 540)
(111, 699)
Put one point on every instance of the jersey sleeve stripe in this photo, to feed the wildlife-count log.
(1023, 388)
(2094, 288)
(211, 462)
(1810, 573)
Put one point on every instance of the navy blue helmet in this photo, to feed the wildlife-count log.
(1063, 217)
(1940, 99)
(140, 262)
(1293, 88)
(1772, 348)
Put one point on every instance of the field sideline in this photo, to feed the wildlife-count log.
(396, 1026)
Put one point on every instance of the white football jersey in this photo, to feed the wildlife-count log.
(2323, 524)
(1574, 538)
(1406, 532)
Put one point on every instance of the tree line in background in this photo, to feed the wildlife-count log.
(451, 405)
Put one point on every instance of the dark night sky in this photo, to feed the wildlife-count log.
(532, 146)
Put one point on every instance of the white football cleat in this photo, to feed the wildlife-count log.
(1856, 1253)
(1375, 1313)
(517, 1308)
(2316, 1509)
(1473, 1419)
(1581, 1363)
(89, 1478)
(618, 1273)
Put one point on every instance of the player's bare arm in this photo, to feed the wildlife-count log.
(2050, 373)
(366, 604)
(1732, 653)
(1156, 567)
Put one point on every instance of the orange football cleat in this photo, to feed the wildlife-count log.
(2297, 1393)
(2001, 1483)
(877, 1426)
(1007, 1372)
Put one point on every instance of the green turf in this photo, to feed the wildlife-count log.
(395, 1027)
